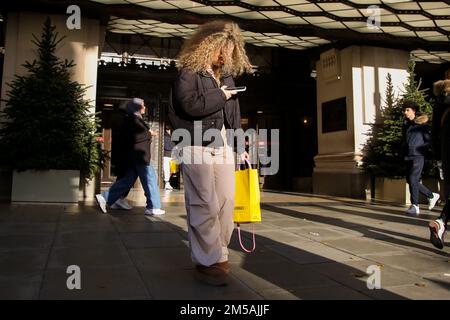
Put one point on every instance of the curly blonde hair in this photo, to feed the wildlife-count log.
(198, 51)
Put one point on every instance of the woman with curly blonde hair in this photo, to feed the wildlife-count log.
(200, 101)
(215, 36)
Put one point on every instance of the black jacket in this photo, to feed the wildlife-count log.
(168, 145)
(197, 97)
(416, 137)
(135, 141)
(441, 116)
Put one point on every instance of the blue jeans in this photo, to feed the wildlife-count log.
(146, 175)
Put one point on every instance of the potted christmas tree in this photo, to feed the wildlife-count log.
(383, 159)
(47, 129)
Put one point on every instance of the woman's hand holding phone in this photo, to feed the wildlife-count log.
(228, 93)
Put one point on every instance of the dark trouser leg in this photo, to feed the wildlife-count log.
(415, 167)
(411, 178)
(408, 165)
(425, 191)
(445, 153)
(445, 213)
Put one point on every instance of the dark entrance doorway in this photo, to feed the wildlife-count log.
(117, 85)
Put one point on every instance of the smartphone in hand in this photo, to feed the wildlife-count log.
(238, 89)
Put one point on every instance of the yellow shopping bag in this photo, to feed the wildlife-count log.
(174, 167)
(247, 196)
(247, 200)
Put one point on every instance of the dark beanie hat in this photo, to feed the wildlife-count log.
(410, 104)
(134, 106)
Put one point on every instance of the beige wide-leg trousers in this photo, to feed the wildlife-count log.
(209, 198)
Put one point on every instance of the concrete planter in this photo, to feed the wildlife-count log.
(54, 186)
(392, 190)
(397, 190)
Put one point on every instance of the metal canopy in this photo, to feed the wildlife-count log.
(295, 24)
(422, 23)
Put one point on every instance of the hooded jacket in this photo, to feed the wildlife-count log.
(417, 137)
(441, 114)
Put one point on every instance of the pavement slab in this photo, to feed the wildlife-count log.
(307, 247)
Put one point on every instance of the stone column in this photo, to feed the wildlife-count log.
(81, 46)
(351, 86)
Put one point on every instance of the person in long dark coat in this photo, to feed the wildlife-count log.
(135, 145)
(441, 141)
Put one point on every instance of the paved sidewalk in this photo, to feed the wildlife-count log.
(308, 247)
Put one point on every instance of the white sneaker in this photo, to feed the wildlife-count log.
(432, 201)
(101, 202)
(154, 212)
(121, 204)
(437, 229)
(168, 186)
(413, 210)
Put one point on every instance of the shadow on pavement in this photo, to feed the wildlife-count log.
(368, 232)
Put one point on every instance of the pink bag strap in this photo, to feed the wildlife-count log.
(240, 239)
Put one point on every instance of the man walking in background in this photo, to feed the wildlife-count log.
(417, 142)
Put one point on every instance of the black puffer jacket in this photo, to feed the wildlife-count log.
(197, 97)
(135, 141)
(417, 137)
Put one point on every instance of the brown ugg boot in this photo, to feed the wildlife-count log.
(215, 275)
